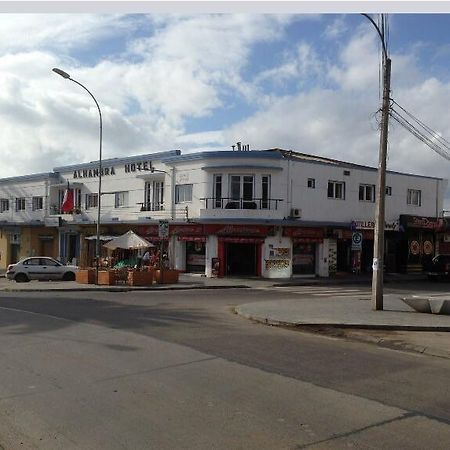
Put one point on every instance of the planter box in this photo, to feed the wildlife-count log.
(143, 278)
(106, 277)
(85, 276)
(170, 276)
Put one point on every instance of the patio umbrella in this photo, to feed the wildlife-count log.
(128, 240)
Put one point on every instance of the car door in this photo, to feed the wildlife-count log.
(49, 269)
(32, 267)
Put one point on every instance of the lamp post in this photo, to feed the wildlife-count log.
(378, 248)
(99, 196)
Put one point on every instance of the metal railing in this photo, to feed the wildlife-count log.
(152, 206)
(241, 203)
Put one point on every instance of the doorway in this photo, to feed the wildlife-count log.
(241, 259)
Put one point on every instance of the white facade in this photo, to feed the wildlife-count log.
(272, 189)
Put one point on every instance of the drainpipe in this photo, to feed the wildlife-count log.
(172, 202)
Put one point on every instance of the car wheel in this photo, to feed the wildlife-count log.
(21, 278)
(69, 276)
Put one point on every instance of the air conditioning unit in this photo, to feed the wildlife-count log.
(296, 213)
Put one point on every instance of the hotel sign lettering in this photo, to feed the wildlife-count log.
(142, 166)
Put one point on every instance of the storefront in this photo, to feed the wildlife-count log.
(240, 248)
(191, 242)
(419, 239)
(304, 248)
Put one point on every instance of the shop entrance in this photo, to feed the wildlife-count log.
(304, 259)
(195, 257)
(241, 259)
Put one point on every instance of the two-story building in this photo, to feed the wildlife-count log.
(270, 213)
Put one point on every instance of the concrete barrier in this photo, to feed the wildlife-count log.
(428, 305)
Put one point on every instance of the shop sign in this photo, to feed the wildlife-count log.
(370, 225)
(307, 240)
(239, 230)
(192, 238)
(242, 240)
(184, 230)
(424, 223)
(303, 232)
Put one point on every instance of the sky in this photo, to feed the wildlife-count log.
(196, 82)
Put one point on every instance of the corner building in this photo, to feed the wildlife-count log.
(266, 213)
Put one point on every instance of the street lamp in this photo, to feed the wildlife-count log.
(99, 199)
(378, 247)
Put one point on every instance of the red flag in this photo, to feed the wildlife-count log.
(67, 203)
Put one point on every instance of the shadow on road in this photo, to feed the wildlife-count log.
(61, 312)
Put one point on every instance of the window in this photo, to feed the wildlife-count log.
(120, 199)
(312, 183)
(154, 196)
(4, 204)
(37, 203)
(265, 191)
(414, 197)
(183, 193)
(91, 201)
(20, 204)
(77, 198)
(336, 189)
(388, 190)
(217, 191)
(367, 192)
(241, 187)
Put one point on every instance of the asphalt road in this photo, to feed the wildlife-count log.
(178, 369)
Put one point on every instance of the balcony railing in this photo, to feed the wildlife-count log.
(152, 206)
(241, 203)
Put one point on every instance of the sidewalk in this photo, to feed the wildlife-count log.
(397, 326)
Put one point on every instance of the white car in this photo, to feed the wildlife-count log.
(40, 268)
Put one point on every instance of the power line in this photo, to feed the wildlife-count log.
(420, 130)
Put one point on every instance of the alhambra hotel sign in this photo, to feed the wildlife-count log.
(142, 166)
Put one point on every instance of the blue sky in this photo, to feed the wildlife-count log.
(307, 82)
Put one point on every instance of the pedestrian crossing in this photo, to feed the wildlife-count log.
(323, 291)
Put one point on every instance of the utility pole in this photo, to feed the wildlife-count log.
(378, 247)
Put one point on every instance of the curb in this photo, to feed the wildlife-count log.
(122, 289)
(280, 323)
(381, 342)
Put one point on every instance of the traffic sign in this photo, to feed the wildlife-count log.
(357, 241)
(163, 229)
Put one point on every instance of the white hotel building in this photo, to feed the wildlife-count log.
(269, 213)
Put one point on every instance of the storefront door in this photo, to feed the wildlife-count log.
(304, 259)
(195, 257)
(241, 259)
